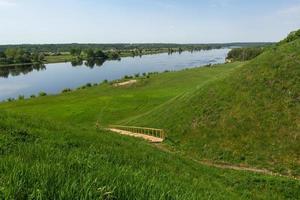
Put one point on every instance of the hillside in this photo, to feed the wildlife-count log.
(48, 160)
(251, 117)
(240, 114)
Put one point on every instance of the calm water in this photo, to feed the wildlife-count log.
(53, 78)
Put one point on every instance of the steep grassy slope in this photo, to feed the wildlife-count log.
(45, 160)
(251, 117)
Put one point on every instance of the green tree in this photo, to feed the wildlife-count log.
(100, 54)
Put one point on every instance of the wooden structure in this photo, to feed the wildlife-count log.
(159, 133)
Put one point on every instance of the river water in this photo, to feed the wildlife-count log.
(53, 78)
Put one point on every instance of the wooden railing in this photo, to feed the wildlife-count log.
(160, 133)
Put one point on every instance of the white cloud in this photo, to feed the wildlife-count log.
(7, 3)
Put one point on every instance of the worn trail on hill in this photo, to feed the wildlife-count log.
(209, 163)
(230, 166)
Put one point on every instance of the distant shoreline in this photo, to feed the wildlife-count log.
(69, 58)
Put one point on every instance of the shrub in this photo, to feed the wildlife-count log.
(21, 97)
(10, 99)
(32, 96)
(42, 94)
(66, 90)
(137, 75)
(88, 85)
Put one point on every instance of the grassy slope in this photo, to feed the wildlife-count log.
(46, 160)
(250, 117)
(109, 104)
(63, 156)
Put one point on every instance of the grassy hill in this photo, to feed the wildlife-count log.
(252, 116)
(42, 159)
(240, 113)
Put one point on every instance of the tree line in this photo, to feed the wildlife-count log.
(54, 48)
(17, 55)
(92, 54)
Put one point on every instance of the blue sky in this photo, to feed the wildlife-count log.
(145, 21)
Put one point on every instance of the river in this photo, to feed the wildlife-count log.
(53, 78)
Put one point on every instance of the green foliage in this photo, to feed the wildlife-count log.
(291, 37)
(66, 90)
(42, 94)
(75, 52)
(114, 55)
(17, 55)
(141, 48)
(21, 97)
(88, 85)
(244, 54)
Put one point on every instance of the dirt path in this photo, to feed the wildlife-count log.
(229, 166)
(138, 135)
(130, 82)
(163, 147)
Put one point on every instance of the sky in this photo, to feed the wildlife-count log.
(146, 21)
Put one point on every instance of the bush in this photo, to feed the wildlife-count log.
(32, 96)
(88, 85)
(66, 90)
(21, 97)
(291, 37)
(10, 99)
(42, 94)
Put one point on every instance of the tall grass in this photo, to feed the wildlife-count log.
(46, 160)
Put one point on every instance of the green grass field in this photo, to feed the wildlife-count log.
(240, 113)
(250, 117)
(59, 58)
